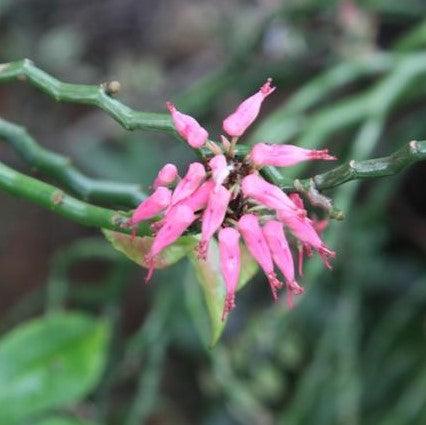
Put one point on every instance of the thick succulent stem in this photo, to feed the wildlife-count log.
(54, 199)
(61, 170)
(93, 95)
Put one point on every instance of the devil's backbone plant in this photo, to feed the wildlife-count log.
(229, 211)
(226, 196)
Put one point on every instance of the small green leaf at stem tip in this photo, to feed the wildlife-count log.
(213, 286)
(136, 248)
(50, 363)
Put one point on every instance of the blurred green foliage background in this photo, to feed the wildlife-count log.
(85, 342)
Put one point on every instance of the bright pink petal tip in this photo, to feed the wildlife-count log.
(274, 284)
(267, 89)
(322, 154)
(220, 169)
(280, 250)
(188, 127)
(228, 305)
(166, 176)
(152, 205)
(326, 254)
(304, 230)
(237, 123)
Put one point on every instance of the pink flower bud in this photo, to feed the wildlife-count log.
(152, 205)
(175, 223)
(297, 199)
(257, 188)
(285, 155)
(251, 232)
(281, 254)
(165, 176)
(237, 123)
(318, 225)
(198, 200)
(187, 127)
(230, 264)
(220, 169)
(303, 229)
(189, 183)
(213, 217)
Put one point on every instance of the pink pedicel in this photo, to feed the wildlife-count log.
(230, 264)
(213, 217)
(188, 127)
(250, 230)
(220, 169)
(281, 254)
(175, 224)
(166, 176)
(237, 123)
(285, 155)
(255, 187)
(190, 183)
(303, 229)
(152, 206)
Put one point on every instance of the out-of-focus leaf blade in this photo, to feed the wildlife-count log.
(210, 278)
(62, 420)
(138, 247)
(49, 363)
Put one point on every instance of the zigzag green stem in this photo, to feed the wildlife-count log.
(61, 170)
(92, 95)
(412, 152)
(54, 199)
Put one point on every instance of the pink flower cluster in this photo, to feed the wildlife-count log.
(230, 198)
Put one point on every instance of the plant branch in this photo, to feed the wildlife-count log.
(93, 95)
(54, 199)
(62, 171)
(412, 152)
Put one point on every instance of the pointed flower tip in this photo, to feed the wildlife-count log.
(322, 154)
(229, 305)
(166, 176)
(237, 123)
(188, 127)
(267, 89)
(170, 106)
(151, 266)
(326, 255)
(275, 284)
(152, 205)
(202, 249)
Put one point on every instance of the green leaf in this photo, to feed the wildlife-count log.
(62, 420)
(49, 363)
(136, 248)
(210, 278)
